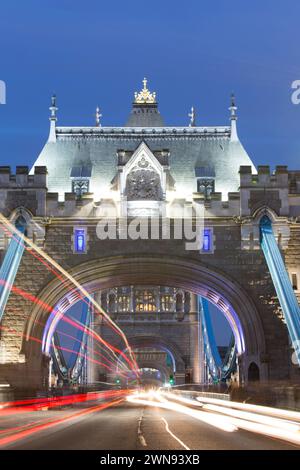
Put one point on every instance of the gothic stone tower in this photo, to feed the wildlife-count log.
(140, 170)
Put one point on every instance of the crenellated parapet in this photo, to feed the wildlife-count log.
(276, 194)
(278, 190)
(22, 178)
(215, 206)
(21, 189)
(71, 206)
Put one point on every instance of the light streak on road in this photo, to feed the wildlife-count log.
(256, 418)
(266, 410)
(225, 407)
(156, 400)
(4, 441)
(186, 401)
(273, 422)
(35, 404)
(225, 418)
(265, 430)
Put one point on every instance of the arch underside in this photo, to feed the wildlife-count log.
(183, 273)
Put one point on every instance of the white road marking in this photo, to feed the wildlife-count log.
(140, 433)
(173, 435)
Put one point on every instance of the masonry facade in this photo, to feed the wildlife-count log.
(138, 171)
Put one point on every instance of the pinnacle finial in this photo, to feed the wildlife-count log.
(233, 118)
(192, 116)
(53, 108)
(232, 108)
(98, 116)
(145, 96)
(53, 118)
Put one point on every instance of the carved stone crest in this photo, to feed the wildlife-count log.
(143, 183)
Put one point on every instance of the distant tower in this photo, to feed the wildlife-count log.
(98, 117)
(233, 118)
(192, 116)
(53, 118)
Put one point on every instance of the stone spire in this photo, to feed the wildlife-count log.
(98, 117)
(192, 116)
(53, 118)
(233, 118)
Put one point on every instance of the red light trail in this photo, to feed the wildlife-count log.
(53, 423)
(55, 268)
(75, 324)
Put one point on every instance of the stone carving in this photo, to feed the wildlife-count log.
(143, 182)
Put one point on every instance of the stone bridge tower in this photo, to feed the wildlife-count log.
(147, 279)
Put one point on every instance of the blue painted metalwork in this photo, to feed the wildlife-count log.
(229, 363)
(84, 317)
(59, 364)
(74, 370)
(282, 283)
(213, 359)
(11, 263)
(218, 370)
(79, 370)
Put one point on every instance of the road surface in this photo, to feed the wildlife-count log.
(127, 426)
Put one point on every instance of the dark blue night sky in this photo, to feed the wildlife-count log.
(194, 53)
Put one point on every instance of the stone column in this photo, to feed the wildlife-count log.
(93, 369)
(196, 342)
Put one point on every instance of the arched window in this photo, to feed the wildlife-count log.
(253, 373)
(21, 224)
(145, 301)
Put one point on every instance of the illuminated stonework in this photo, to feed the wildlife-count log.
(83, 170)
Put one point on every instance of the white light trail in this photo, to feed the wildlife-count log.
(254, 417)
(223, 417)
(250, 416)
(154, 399)
(266, 410)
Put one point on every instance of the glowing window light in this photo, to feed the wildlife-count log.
(206, 240)
(79, 240)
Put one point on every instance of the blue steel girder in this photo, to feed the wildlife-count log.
(218, 370)
(10, 265)
(284, 289)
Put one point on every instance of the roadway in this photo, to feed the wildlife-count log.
(128, 426)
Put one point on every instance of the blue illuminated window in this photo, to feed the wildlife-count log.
(79, 240)
(207, 240)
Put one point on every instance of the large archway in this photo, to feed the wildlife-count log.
(184, 273)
